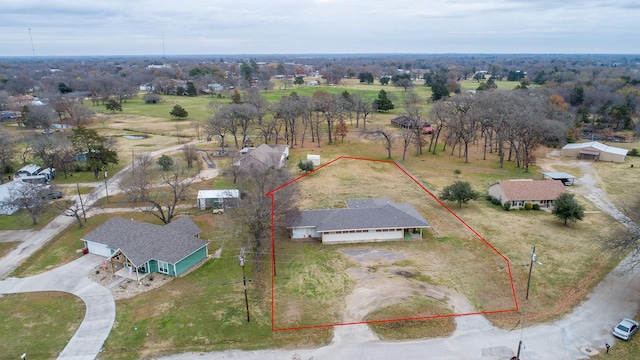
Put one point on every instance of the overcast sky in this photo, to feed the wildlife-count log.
(146, 27)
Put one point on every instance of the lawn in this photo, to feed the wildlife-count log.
(39, 324)
(204, 310)
(5, 247)
(21, 220)
(404, 330)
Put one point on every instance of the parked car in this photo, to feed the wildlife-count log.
(625, 328)
(53, 194)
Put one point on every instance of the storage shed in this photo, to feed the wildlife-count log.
(595, 151)
(218, 199)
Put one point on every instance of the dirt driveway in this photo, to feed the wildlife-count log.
(380, 283)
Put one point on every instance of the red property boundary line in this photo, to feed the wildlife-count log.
(273, 253)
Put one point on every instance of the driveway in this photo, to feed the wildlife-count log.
(100, 306)
(583, 332)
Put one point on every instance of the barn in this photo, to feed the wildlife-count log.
(595, 151)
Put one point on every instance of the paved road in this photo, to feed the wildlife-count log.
(100, 306)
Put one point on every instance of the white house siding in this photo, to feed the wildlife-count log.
(98, 249)
(495, 191)
(344, 237)
(606, 156)
(304, 233)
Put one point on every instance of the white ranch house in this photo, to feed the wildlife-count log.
(363, 220)
(519, 192)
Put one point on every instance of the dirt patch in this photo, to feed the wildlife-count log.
(379, 283)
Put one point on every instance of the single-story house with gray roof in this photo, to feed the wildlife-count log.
(171, 249)
(363, 220)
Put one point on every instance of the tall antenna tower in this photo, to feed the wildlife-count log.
(163, 53)
(33, 49)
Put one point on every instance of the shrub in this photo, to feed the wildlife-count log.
(528, 206)
(536, 206)
(506, 206)
(634, 152)
(496, 201)
(457, 171)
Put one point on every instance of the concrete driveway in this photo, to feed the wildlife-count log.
(100, 305)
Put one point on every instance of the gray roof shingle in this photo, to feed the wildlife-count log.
(377, 213)
(142, 242)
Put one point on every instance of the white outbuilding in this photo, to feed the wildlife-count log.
(218, 199)
(315, 159)
(595, 151)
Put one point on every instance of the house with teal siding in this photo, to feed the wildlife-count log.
(145, 248)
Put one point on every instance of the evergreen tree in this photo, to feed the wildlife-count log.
(113, 106)
(382, 103)
(567, 208)
(178, 112)
(460, 192)
(165, 162)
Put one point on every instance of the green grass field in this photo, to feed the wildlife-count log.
(39, 324)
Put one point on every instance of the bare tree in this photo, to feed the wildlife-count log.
(408, 137)
(363, 108)
(28, 197)
(254, 212)
(462, 124)
(160, 198)
(39, 116)
(190, 154)
(255, 98)
(439, 115)
(386, 137)
(76, 208)
(218, 126)
(80, 114)
(627, 240)
(239, 119)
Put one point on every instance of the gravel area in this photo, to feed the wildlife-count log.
(122, 288)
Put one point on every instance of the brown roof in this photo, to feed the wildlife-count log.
(532, 189)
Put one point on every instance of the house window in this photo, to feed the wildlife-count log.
(163, 267)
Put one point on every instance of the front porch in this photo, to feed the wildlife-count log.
(121, 266)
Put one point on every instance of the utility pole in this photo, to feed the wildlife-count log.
(84, 215)
(518, 354)
(244, 280)
(533, 260)
(105, 185)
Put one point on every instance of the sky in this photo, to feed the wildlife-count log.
(194, 27)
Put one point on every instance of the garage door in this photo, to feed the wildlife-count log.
(98, 249)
